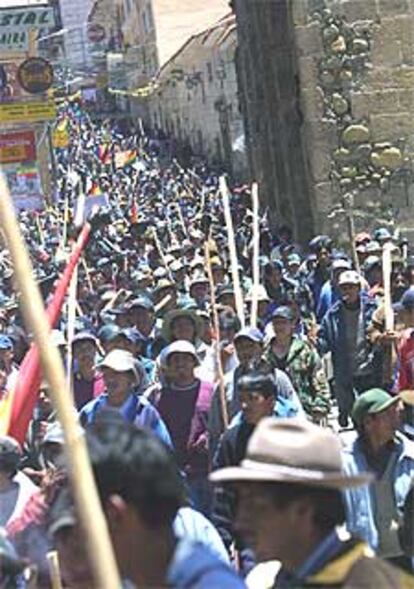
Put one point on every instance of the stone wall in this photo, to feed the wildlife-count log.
(356, 77)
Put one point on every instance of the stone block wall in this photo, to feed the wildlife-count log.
(356, 78)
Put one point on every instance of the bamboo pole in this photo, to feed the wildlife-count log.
(386, 273)
(256, 252)
(87, 500)
(222, 389)
(232, 251)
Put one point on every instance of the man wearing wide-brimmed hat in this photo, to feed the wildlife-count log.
(291, 509)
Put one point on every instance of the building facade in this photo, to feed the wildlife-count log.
(196, 101)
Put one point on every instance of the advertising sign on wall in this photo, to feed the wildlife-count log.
(18, 146)
(27, 112)
(25, 185)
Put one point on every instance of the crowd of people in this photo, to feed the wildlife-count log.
(264, 446)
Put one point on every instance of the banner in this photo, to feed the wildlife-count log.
(18, 146)
(27, 112)
(25, 185)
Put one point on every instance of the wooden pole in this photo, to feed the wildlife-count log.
(216, 323)
(386, 273)
(161, 253)
(349, 208)
(54, 569)
(87, 500)
(72, 299)
(256, 252)
(232, 251)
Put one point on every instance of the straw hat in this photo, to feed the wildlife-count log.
(292, 450)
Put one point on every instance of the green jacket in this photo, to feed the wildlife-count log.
(304, 368)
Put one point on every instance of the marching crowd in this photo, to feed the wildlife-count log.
(259, 436)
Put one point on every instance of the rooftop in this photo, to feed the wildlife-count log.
(178, 20)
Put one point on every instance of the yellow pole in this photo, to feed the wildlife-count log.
(87, 500)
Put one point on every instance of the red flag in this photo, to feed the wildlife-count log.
(29, 377)
(134, 212)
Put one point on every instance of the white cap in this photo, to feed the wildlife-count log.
(120, 361)
(180, 347)
(349, 277)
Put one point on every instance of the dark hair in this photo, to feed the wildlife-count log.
(258, 381)
(328, 504)
(134, 464)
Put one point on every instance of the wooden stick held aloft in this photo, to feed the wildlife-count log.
(256, 251)
(232, 251)
(87, 500)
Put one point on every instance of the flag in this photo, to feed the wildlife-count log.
(134, 212)
(16, 408)
(95, 189)
(125, 158)
(104, 153)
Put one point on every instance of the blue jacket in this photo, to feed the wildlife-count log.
(193, 566)
(327, 298)
(332, 337)
(135, 409)
(360, 504)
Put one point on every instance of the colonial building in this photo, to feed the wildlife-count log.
(196, 101)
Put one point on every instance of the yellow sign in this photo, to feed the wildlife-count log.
(27, 112)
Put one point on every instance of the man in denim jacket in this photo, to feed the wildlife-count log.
(374, 512)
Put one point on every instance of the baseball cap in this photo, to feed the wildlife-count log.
(251, 333)
(180, 347)
(5, 342)
(341, 264)
(407, 300)
(349, 277)
(283, 312)
(371, 402)
(84, 336)
(108, 333)
(143, 302)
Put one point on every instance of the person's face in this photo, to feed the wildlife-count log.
(324, 257)
(206, 331)
(275, 276)
(122, 320)
(294, 268)
(283, 328)
(6, 357)
(142, 319)
(247, 350)
(399, 284)
(255, 406)
(382, 426)
(181, 367)
(227, 334)
(228, 300)
(84, 352)
(349, 293)
(118, 385)
(199, 291)
(183, 328)
(218, 274)
(44, 403)
(75, 570)
(272, 533)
